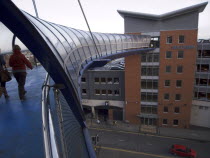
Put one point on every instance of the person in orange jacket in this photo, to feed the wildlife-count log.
(18, 62)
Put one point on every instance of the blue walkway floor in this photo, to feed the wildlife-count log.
(20, 122)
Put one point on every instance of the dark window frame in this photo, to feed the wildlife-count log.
(179, 69)
(167, 83)
(181, 39)
(169, 40)
(168, 55)
(178, 97)
(180, 54)
(168, 67)
(165, 109)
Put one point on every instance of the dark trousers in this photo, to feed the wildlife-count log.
(3, 84)
(21, 79)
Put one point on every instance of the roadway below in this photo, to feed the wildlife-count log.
(120, 144)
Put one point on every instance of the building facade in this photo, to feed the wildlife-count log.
(103, 93)
(159, 85)
(167, 87)
(201, 103)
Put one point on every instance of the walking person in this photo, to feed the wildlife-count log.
(18, 62)
(3, 89)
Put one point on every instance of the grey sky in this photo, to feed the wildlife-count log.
(102, 14)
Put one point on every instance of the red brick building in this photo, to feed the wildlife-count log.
(159, 85)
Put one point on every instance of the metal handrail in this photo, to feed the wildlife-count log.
(45, 118)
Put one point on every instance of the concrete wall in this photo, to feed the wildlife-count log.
(95, 103)
(200, 115)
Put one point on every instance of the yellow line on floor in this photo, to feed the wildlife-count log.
(109, 130)
(132, 152)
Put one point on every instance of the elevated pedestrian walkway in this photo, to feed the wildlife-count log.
(21, 121)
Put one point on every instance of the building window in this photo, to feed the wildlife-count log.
(168, 68)
(181, 38)
(179, 69)
(84, 92)
(103, 80)
(178, 97)
(202, 82)
(149, 71)
(96, 80)
(176, 122)
(180, 54)
(167, 83)
(156, 58)
(83, 80)
(109, 92)
(97, 92)
(168, 54)
(109, 80)
(166, 96)
(165, 121)
(176, 110)
(103, 91)
(165, 109)
(169, 39)
(149, 97)
(116, 92)
(203, 68)
(116, 80)
(148, 109)
(201, 95)
(178, 83)
(149, 84)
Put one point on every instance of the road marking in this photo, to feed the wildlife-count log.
(109, 130)
(132, 152)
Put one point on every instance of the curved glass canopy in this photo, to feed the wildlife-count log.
(63, 51)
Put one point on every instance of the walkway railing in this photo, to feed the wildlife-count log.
(63, 135)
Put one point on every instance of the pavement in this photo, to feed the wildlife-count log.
(20, 121)
(193, 133)
(122, 144)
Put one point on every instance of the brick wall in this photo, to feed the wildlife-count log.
(187, 77)
(132, 88)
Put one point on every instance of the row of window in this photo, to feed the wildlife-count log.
(203, 68)
(149, 97)
(202, 82)
(103, 80)
(149, 84)
(107, 92)
(204, 53)
(181, 39)
(202, 95)
(150, 57)
(175, 122)
(179, 69)
(167, 83)
(150, 71)
(180, 54)
(176, 109)
(167, 96)
(149, 109)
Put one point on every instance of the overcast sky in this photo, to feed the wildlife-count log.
(102, 14)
